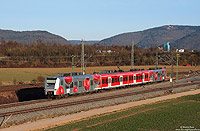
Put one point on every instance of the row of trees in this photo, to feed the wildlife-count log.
(40, 54)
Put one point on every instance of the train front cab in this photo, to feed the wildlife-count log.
(55, 86)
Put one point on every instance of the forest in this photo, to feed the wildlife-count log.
(40, 54)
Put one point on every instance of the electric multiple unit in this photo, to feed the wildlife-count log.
(72, 83)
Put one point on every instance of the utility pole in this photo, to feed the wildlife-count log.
(132, 55)
(156, 55)
(172, 68)
(82, 59)
(177, 55)
(72, 63)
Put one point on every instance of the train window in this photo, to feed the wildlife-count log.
(141, 77)
(61, 82)
(106, 81)
(125, 78)
(71, 86)
(91, 82)
(113, 80)
(76, 84)
(120, 79)
(66, 86)
(129, 78)
(103, 81)
(80, 83)
(109, 80)
(134, 78)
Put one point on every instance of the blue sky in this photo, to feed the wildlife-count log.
(96, 19)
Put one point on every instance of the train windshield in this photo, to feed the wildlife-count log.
(50, 82)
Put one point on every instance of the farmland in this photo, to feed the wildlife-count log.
(8, 75)
(174, 114)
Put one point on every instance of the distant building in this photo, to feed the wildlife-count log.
(109, 51)
(165, 47)
(104, 51)
(98, 51)
(180, 50)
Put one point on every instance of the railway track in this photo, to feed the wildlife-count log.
(167, 88)
(181, 75)
(48, 100)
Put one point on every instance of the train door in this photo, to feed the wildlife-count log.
(64, 86)
(121, 82)
(109, 81)
(156, 76)
(163, 74)
(151, 76)
(142, 77)
(74, 86)
(134, 77)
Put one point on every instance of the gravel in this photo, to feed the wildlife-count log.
(18, 119)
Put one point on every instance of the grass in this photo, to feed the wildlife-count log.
(167, 115)
(28, 74)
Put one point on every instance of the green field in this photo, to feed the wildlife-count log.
(169, 115)
(29, 74)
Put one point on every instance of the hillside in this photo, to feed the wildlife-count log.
(90, 42)
(28, 37)
(191, 41)
(159, 35)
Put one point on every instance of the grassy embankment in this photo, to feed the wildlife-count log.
(29, 74)
(169, 115)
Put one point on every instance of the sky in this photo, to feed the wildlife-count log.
(96, 19)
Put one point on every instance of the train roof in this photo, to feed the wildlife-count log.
(104, 73)
(82, 76)
(68, 74)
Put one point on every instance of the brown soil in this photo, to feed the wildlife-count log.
(19, 94)
(8, 97)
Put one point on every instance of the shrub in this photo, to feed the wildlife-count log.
(40, 78)
(14, 81)
(21, 82)
(34, 81)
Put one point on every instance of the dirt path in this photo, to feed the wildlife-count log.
(77, 116)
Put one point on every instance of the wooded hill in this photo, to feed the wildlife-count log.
(179, 36)
(186, 37)
(28, 37)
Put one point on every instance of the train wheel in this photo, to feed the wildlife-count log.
(66, 95)
(49, 97)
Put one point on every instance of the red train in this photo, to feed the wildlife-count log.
(72, 83)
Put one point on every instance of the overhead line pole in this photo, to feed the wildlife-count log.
(172, 68)
(132, 55)
(156, 55)
(82, 59)
(72, 63)
(177, 55)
